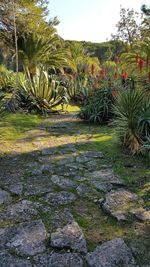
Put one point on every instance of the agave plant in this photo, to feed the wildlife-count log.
(40, 92)
(133, 118)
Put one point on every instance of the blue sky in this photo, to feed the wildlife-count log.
(89, 20)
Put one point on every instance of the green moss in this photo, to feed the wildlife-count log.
(96, 225)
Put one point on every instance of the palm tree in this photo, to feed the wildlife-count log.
(82, 61)
(137, 64)
(138, 58)
(35, 49)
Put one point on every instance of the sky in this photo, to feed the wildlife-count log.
(89, 20)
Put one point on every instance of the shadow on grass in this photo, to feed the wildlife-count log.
(19, 126)
(134, 170)
(25, 129)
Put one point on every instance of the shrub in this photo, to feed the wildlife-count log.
(78, 88)
(133, 118)
(98, 107)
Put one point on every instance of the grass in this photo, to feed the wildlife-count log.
(68, 108)
(14, 126)
(96, 225)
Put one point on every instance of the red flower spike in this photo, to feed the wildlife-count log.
(125, 75)
(114, 92)
(103, 72)
(92, 69)
(141, 64)
(116, 76)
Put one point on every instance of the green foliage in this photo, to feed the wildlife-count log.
(40, 92)
(128, 28)
(144, 118)
(78, 87)
(139, 51)
(133, 118)
(146, 10)
(29, 15)
(107, 50)
(34, 49)
(98, 107)
(2, 103)
(2, 95)
(20, 20)
(81, 59)
(146, 146)
(7, 79)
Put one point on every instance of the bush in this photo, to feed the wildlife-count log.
(133, 118)
(98, 107)
(78, 88)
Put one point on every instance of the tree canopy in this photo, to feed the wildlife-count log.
(29, 17)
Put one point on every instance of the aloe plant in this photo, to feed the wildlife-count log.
(98, 107)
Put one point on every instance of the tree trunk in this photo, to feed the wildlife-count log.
(16, 38)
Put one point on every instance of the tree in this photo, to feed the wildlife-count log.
(81, 59)
(35, 50)
(145, 10)
(28, 14)
(145, 25)
(18, 17)
(128, 28)
(106, 51)
(138, 59)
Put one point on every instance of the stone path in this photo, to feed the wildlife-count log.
(47, 190)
